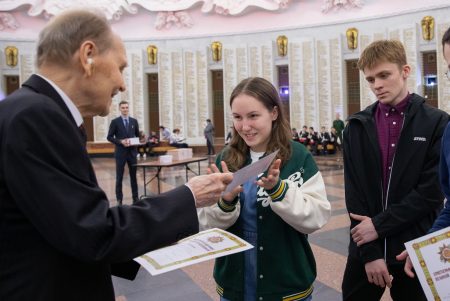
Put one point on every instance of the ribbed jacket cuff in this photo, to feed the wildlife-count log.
(278, 192)
(227, 206)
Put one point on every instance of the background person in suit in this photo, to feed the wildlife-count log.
(120, 131)
(59, 238)
(209, 136)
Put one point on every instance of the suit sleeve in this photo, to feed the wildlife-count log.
(443, 219)
(51, 181)
(112, 132)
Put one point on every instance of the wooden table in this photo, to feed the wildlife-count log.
(158, 165)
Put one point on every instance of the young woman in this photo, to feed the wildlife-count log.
(273, 212)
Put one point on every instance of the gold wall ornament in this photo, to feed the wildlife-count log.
(282, 45)
(427, 28)
(12, 54)
(216, 48)
(152, 54)
(352, 38)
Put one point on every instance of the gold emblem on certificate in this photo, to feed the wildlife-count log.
(215, 239)
(444, 251)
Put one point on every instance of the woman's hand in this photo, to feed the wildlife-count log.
(273, 175)
(229, 196)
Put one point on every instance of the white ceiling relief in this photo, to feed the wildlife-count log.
(169, 12)
(330, 5)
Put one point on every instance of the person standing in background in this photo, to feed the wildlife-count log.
(209, 135)
(339, 126)
(120, 131)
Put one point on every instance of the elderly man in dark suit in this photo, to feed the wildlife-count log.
(120, 131)
(59, 239)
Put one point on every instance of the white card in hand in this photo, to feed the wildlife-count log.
(134, 141)
(251, 171)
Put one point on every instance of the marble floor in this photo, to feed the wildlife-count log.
(195, 283)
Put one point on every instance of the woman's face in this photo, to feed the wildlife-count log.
(253, 121)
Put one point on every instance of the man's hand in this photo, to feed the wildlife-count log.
(364, 232)
(408, 264)
(272, 176)
(125, 142)
(207, 189)
(378, 274)
(229, 196)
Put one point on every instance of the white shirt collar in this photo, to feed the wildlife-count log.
(70, 105)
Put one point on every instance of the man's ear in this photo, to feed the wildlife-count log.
(406, 71)
(87, 51)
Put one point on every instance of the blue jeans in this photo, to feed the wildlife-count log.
(250, 268)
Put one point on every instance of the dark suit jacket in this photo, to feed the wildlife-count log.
(118, 132)
(59, 240)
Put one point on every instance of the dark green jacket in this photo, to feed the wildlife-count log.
(285, 262)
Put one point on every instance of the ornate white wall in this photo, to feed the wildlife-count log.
(316, 59)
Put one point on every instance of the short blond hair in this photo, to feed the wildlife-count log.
(390, 51)
(64, 34)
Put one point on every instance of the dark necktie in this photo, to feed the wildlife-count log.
(126, 125)
(83, 133)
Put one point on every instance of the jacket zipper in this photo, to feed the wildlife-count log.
(384, 205)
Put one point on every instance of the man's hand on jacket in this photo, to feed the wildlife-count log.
(365, 231)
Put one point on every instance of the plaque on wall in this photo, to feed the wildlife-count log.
(296, 99)
(178, 109)
(229, 80)
(309, 85)
(136, 88)
(268, 64)
(336, 65)
(202, 89)
(165, 88)
(323, 54)
(27, 67)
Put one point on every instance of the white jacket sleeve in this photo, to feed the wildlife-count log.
(215, 217)
(306, 207)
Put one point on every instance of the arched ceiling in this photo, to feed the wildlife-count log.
(166, 19)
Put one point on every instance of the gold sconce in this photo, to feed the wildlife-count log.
(352, 38)
(282, 45)
(216, 48)
(427, 28)
(11, 53)
(152, 54)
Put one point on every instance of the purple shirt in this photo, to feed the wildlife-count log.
(389, 122)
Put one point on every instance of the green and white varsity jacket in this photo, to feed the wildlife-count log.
(294, 208)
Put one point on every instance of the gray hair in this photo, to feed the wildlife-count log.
(63, 35)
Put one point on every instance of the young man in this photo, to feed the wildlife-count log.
(391, 157)
(443, 220)
(59, 238)
(120, 131)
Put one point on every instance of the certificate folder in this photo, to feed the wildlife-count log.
(197, 248)
(430, 255)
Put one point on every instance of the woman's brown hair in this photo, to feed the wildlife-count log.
(280, 137)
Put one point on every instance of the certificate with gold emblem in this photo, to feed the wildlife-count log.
(430, 255)
(200, 247)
